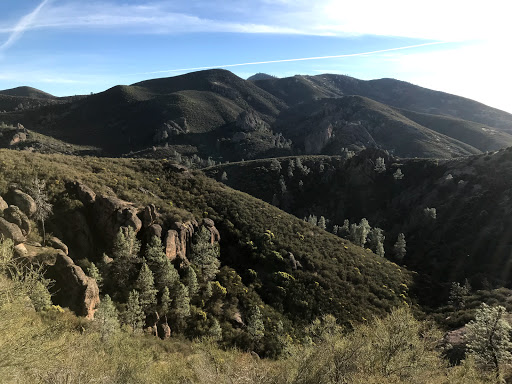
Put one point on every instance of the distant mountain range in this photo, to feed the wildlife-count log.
(217, 114)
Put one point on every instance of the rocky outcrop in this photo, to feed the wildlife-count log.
(23, 201)
(72, 287)
(18, 138)
(149, 215)
(249, 121)
(20, 250)
(3, 204)
(171, 243)
(85, 194)
(11, 231)
(210, 224)
(14, 215)
(57, 243)
(79, 236)
(111, 213)
(152, 231)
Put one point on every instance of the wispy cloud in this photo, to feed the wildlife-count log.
(292, 60)
(24, 23)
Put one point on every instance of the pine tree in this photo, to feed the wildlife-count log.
(163, 271)
(145, 284)
(312, 219)
(380, 165)
(359, 233)
(165, 303)
(215, 331)
(400, 247)
(398, 175)
(344, 230)
(376, 241)
(94, 272)
(321, 223)
(205, 255)
(335, 229)
(488, 337)
(224, 176)
(255, 325)
(106, 317)
(180, 306)
(125, 253)
(134, 315)
(191, 281)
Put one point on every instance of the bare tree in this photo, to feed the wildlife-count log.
(38, 192)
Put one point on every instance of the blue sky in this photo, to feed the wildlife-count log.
(68, 47)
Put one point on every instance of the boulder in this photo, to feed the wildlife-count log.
(57, 243)
(72, 287)
(85, 194)
(152, 231)
(23, 201)
(3, 204)
(20, 250)
(171, 242)
(14, 215)
(11, 231)
(79, 236)
(111, 213)
(210, 224)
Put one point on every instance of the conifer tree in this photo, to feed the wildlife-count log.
(205, 255)
(398, 175)
(191, 281)
(134, 315)
(125, 254)
(146, 286)
(376, 241)
(400, 247)
(163, 271)
(94, 272)
(165, 303)
(106, 317)
(43, 207)
(180, 306)
(215, 331)
(255, 325)
(380, 165)
(321, 223)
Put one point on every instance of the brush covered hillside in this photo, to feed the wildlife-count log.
(267, 274)
(455, 214)
(27, 92)
(215, 114)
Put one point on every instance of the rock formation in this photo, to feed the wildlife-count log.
(23, 201)
(11, 231)
(14, 215)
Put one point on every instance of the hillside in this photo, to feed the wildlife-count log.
(392, 92)
(258, 242)
(464, 236)
(214, 114)
(27, 92)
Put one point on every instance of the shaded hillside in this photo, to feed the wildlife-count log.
(27, 92)
(327, 126)
(467, 235)
(334, 277)
(260, 76)
(392, 92)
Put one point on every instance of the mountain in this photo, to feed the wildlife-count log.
(260, 76)
(215, 114)
(392, 92)
(27, 92)
(455, 214)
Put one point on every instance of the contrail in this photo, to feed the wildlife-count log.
(300, 59)
(22, 26)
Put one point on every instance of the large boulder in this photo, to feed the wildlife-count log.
(23, 201)
(149, 215)
(57, 243)
(14, 215)
(3, 204)
(79, 236)
(154, 230)
(11, 231)
(112, 213)
(171, 243)
(72, 287)
(85, 194)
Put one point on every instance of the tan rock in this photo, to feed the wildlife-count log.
(23, 201)
(14, 215)
(11, 231)
(57, 243)
(3, 204)
(20, 250)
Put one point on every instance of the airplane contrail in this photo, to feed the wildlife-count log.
(299, 59)
(23, 25)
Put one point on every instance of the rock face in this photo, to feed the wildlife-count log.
(23, 201)
(149, 216)
(14, 215)
(73, 288)
(57, 243)
(78, 230)
(210, 224)
(111, 213)
(3, 204)
(178, 240)
(85, 194)
(11, 231)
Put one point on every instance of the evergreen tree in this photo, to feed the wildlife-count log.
(205, 255)
(163, 271)
(488, 337)
(376, 241)
(380, 165)
(398, 175)
(125, 254)
(106, 317)
(291, 166)
(312, 219)
(359, 233)
(94, 272)
(191, 281)
(458, 293)
(321, 223)
(43, 207)
(134, 315)
(180, 306)
(224, 176)
(165, 303)
(275, 165)
(255, 325)
(215, 331)
(400, 247)
(145, 284)
(335, 229)
(344, 230)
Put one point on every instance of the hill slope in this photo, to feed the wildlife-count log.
(27, 92)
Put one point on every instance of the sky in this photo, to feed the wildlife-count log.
(68, 47)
